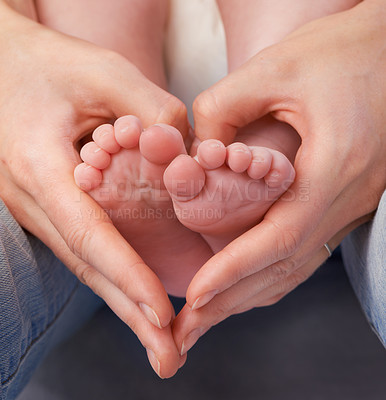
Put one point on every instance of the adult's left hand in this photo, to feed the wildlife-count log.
(327, 80)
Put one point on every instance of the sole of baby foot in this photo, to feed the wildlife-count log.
(123, 171)
(224, 191)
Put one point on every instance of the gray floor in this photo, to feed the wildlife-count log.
(315, 344)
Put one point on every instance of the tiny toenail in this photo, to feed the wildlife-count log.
(214, 145)
(97, 150)
(258, 160)
(241, 150)
(88, 167)
(124, 129)
(105, 133)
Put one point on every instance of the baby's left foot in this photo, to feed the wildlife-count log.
(223, 192)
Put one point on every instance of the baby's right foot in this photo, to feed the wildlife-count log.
(225, 191)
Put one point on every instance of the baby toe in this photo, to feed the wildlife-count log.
(261, 162)
(127, 131)
(282, 173)
(184, 178)
(239, 157)
(211, 154)
(93, 155)
(161, 143)
(87, 177)
(104, 137)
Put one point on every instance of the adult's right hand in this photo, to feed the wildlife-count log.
(53, 90)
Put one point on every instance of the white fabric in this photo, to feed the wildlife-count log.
(195, 48)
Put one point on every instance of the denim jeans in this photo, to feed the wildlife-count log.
(364, 256)
(42, 303)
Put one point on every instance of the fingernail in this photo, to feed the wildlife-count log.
(156, 365)
(204, 299)
(190, 340)
(150, 314)
(182, 361)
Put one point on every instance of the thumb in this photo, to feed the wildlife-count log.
(240, 98)
(128, 91)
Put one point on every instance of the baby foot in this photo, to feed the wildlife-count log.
(224, 191)
(123, 171)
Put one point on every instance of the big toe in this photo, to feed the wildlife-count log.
(184, 178)
(161, 143)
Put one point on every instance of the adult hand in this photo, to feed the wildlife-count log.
(53, 90)
(327, 80)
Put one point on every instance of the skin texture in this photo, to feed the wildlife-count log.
(123, 171)
(69, 104)
(337, 107)
(74, 86)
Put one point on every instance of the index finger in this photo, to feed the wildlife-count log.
(91, 236)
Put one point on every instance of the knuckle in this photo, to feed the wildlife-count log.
(122, 278)
(295, 279)
(173, 111)
(234, 271)
(282, 269)
(112, 59)
(77, 238)
(288, 240)
(80, 237)
(85, 274)
(279, 63)
(205, 106)
(18, 165)
(221, 310)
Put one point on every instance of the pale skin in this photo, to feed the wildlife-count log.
(74, 87)
(338, 115)
(97, 168)
(120, 156)
(173, 253)
(164, 365)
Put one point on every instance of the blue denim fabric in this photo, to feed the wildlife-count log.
(364, 255)
(41, 303)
